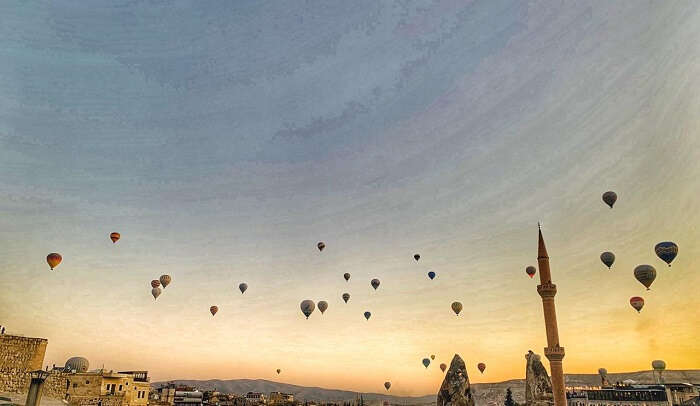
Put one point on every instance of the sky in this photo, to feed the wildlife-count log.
(223, 140)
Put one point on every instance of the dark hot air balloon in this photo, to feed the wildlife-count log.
(155, 283)
(431, 275)
(482, 367)
(322, 306)
(278, 371)
(243, 287)
(637, 302)
(368, 315)
(610, 198)
(426, 362)
(530, 271)
(165, 280)
(346, 276)
(667, 251)
(456, 307)
(53, 259)
(645, 274)
(432, 357)
(387, 385)
(155, 292)
(608, 258)
(307, 307)
(443, 367)
(346, 297)
(416, 256)
(213, 310)
(321, 245)
(114, 237)
(375, 283)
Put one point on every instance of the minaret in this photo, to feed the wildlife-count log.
(553, 352)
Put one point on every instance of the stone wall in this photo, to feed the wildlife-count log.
(98, 401)
(18, 356)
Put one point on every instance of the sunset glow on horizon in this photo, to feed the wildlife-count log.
(224, 140)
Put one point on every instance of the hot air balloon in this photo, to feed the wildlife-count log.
(432, 357)
(321, 245)
(375, 283)
(667, 251)
(165, 280)
(658, 364)
(456, 307)
(243, 287)
(416, 256)
(610, 198)
(114, 237)
(645, 274)
(443, 367)
(322, 306)
(213, 310)
(53, 259)
(431, 275)
(637, 302)
(346, 276)
(426, 362)
(156, 292)
(387, 385)
(482, 367)
(368, 315)
(530, 271)
(608, 258)
(307, 307)
(155, 283)
(346, 297)
(278, 371)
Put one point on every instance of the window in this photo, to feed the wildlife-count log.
(75, 385)
(120, 388)
(87, 382)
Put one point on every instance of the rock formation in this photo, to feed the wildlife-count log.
(455, 389)
(538, 386)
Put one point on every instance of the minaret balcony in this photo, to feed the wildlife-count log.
(555, 353)
(547, 290)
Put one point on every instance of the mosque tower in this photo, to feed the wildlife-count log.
(553, 352)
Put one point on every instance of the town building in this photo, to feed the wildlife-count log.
(635, 395)
(128, 388)
(279, 398)
(188, 398)
(255, 398)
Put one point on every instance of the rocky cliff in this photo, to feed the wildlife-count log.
(538, 386)
(455, 389)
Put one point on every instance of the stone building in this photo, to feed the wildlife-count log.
(279, 398)
(18, 356)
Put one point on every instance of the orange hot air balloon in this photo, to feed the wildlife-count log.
(482, 367)
(114, 237)
(443, 366)
(155, 283)
(54, 259)
(637, 302)
(213, 310)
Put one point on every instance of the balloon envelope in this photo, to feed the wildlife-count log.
(645, 274)
(54, 259)
(431, 275)
(416, 257)
(530, 271)
(375, 283)
(243, 287)
(432, 357)
(346, 276)
(155, 283)
(321, 245)
(482, 367)
(667, 251)
(278, 371)
(387, 385)
(637, 302)
(155, 292)
(608, 258)
(426, 362)
(165, 280)
(307, 307)
(322, 306)
(368, 315)
(456, 307)
(346, 297)
(114, 237)
(443, 366)
(213, 310)
(658, 364)
(610, 198)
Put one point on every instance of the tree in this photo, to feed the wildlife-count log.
(509, 398)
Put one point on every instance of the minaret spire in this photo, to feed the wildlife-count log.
(554, 352)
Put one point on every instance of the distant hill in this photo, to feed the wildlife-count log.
(485, 393)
